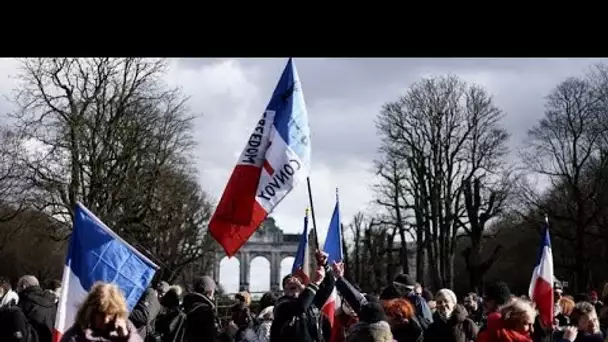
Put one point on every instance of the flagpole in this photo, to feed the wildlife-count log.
(312, 212)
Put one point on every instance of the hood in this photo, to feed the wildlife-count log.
(38, 296)
(267, 314)
(379, 332)
(499, 333)
(460, 314)
(194, 299)
(8, 297)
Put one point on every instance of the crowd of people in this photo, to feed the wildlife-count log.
(404, 311)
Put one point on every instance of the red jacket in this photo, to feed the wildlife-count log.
(496, 332)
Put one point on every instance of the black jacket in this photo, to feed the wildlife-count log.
(202, 320)
(307, 305)
(144, 313)
(14, 326)
(458, 328)
(40, 309)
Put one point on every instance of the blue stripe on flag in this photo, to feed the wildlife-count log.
(333, 241)
(298, 262)
(98, 254)
(291, 118)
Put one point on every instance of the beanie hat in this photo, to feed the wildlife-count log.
(372, 312)
(499, 292)
(448, 294)
(163, 287)
(204, 284)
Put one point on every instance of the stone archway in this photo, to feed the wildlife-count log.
(269, 242)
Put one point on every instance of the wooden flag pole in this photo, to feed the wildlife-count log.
(312, 212)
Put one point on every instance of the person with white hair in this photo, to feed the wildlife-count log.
(38, 306)
(450, 322)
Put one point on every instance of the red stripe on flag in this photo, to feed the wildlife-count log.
(268, 168)
(543, 297)
(57, 335)
(233, 236)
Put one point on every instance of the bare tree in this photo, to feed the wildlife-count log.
(563, 147)
(109, 133)
(447, 133)
(13, 188)
(390, 195)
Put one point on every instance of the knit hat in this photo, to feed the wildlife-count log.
(499, 292)
(372, 312)
(448, 294)
(204, 284)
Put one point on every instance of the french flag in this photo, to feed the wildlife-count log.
(275, 159)
(301, 263)
(541, 286)
(333, 248)
(96, 253)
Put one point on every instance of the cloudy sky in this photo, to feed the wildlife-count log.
(343, 97)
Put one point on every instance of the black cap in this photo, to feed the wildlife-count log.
(499, 292)
(405, 280)
(372, 312)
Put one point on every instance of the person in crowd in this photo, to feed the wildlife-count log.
(418, 289)
(513, 322)
(566, 305)
(584, 327)
(103, 316)
(595, 301)
(450, 322)
(38, 306)
(297, 315)
(471, 303)
(373, 324)
(268, 299)
(603, 312)
(14, 326)
(403, 287)
(243, 297)
(53, 286)
(9, 297)
(162, 288)
(496, 295)
(265, 316)
(264, 320)
(169, 325)
(145, 312)
(352, 301)
(241, 317)
(201, 313)
(402, 320)
(430, 299)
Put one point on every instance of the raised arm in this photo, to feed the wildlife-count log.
(354, 298)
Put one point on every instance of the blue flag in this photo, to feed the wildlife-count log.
(96, 253)
(333, 241)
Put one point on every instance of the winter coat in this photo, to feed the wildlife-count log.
(14, 326)
(581, 337)
(40, 309)
(75, 334)
(458, 328)
(201, 318)
(145, 312)
(170, 325)
(496, 331)
(265, 319)
(306, 307)
(374, 332)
